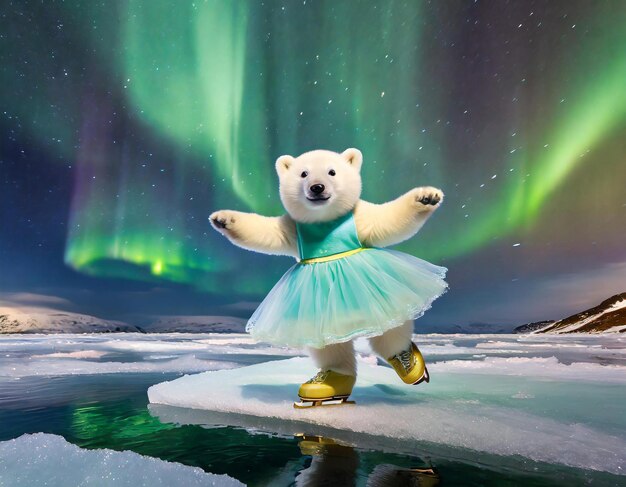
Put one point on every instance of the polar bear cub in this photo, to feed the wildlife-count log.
(322, 185)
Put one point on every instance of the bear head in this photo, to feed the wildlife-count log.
(320, 185)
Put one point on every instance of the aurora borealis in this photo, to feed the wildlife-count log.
(126, 123)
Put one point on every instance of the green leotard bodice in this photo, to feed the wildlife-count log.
(327, 238)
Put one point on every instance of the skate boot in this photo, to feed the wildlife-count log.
(326, 388)
(409, 365)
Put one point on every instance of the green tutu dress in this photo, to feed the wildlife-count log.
(340, 290)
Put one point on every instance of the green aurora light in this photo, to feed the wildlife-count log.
(215, 91)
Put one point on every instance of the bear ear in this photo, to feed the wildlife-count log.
(283, 163)
(354, 157)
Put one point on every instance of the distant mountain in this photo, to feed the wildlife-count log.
(608, 317)
(44, 320)
(470, 328)
(473, 328)
(530, 327)
(197, 324)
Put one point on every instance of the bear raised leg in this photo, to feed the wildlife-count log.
(393, 341)
(396, 347)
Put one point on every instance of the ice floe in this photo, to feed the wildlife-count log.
(454, 410)
(548, 367)
(44, 366)
(44, 459)
(78, 355)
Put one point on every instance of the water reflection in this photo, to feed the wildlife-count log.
(262, 451)
(334, 463)
(331, 462)
(394, 476)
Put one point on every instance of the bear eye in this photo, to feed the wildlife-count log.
(304, 174)
(332, 172)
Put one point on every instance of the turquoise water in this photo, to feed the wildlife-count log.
(110, 410)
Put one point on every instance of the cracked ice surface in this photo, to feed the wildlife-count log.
(504, 395)
(44, 459)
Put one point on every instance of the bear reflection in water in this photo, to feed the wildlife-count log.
(333, 463)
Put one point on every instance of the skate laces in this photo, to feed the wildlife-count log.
(405, 359)
(319, 377)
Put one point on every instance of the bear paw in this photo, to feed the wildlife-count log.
(427, 198)
(223, 220)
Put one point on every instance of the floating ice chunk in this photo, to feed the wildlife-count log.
(548, 367)
(43, 459)
(523, 395)
(152, 345)
(401, 415)
(229, 340)
(58, 367)
(494, 344)
(208, 343)
(81, 354)
(428, 348)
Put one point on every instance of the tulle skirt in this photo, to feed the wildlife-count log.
(364, 294)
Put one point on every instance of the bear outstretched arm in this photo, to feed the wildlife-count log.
(268, 235)
(397, 220)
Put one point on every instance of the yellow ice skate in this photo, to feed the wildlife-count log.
(326, 388)
(410, 366)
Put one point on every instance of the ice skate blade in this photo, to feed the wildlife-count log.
(424, 378)
(331, 401)
(425, 472)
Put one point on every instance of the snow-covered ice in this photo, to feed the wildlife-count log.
(539, 403)
(58, 365)
(61, 355)
(546, 368)
(537, 396)
(44, 459)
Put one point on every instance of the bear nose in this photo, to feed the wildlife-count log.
(317, 188)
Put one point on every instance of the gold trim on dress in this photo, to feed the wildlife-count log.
(340, 255)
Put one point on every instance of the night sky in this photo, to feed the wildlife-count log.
(124, 124)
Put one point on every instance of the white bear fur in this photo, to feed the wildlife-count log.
(378, 225)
